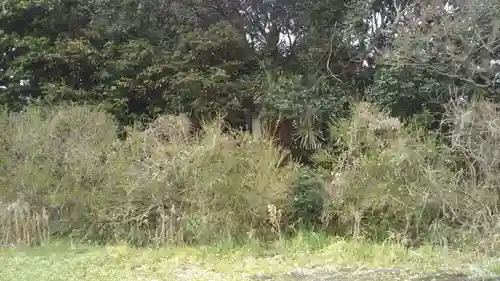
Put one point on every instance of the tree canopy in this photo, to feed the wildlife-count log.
(301, 62)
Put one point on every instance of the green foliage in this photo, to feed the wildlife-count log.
(440, 57)
(209, 67)
(143, 58)
(390, 179)
(133, 74)
(308, 199)
(407, 92)
(296, 64)
(158, 186)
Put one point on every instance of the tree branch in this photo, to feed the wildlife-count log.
(4, 11)
(330, 57)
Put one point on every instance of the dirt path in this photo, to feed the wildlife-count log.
(329, 274)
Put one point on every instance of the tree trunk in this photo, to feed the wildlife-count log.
(256, 127)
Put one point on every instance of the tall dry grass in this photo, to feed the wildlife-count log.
(396, 180)
(161, 185)
(63, 171)
(475, 151)
(22, 225)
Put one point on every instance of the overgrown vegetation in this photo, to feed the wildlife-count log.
(159, 185)
(191, 122)
(66, 173)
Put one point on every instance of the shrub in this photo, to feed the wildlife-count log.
(218, 186)
(475, 152)
(309, 199)
(388, 178)
(65, 171)
(54, 159)
(160, 185)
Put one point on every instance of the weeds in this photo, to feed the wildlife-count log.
(158, 186)
(164, 185)
(22, 225)
(396, 180)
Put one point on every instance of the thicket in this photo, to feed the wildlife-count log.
(416, 161)
(159, 185)
(64, 172)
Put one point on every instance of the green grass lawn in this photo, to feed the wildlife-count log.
(68, 262)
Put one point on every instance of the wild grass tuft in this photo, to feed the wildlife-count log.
(161, 185)
(67, 173)
(395, 180)
(22, 225)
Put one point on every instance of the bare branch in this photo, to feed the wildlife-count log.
(449, 75)
(4, 11)
(329, 59)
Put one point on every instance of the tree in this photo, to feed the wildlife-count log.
(440, 52)
(292, 63)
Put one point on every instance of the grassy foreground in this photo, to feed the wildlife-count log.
(304, 256)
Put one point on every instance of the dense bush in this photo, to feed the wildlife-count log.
(160, 185)
(309, 198)
(65, 172)
(390, 178)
